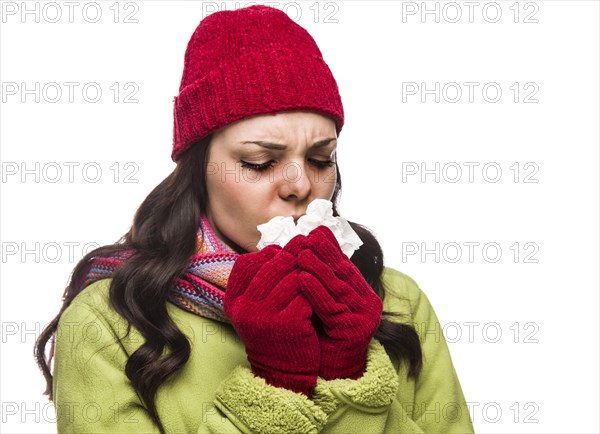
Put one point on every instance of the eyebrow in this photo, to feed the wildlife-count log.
(279, 147)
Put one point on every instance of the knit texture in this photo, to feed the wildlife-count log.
(250, 61)
(372, 393)
(348, 309)
(200, 289)
(273, 319)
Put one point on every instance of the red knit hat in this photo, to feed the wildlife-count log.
(245, 62)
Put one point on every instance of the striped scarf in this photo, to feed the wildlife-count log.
(200, 289)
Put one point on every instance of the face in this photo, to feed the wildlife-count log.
(265, 166)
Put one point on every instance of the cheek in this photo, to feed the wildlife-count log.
(237, 208)
(236, 196)
(221, 196)
(326, 185)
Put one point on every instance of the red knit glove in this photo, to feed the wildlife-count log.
(273, 319)
(347, 307)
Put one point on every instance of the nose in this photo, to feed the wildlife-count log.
(295, 182)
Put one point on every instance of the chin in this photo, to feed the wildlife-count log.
(244, 246)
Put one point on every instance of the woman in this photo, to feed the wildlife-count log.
(184, 325)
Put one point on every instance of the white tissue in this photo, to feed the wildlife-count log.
(280, 230)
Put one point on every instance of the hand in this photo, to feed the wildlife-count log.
(346, 306)
(272, 317)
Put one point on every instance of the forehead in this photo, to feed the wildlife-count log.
(282, 126)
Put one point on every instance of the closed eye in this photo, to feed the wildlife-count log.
(261, 167)
(258, 167)
(322, 164)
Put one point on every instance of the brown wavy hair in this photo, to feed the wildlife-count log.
(164, 232)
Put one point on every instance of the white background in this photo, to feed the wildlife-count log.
(543, 378)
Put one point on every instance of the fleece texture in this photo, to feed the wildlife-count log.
(216, 392)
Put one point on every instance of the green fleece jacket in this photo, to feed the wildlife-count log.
(216, 392)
